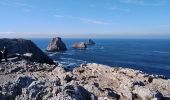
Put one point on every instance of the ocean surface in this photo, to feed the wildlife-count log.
(148, 55)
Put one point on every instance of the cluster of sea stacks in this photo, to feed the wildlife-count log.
(31, 75)
(57, 45)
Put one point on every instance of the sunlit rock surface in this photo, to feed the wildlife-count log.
(23, 80)
(56, 45)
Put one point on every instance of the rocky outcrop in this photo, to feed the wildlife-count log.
(90, 42)
(32, 81)
(56, 45)
(22, 46)
(79, 45)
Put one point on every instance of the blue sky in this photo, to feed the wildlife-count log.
(85, 18)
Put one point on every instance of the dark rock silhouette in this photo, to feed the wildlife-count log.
(22, 46)
(56, 45)
(90, 42)
(0, 56)
(5, 53)
(79, 45)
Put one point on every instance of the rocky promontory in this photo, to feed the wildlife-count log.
(24, 47)
(25, 80)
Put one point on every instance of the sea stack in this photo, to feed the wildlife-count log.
(56, 45)
(90, 42)
(22, 46)
(79, 45)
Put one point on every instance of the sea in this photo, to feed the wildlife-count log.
(151, 56)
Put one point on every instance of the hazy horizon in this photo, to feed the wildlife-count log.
(93, 35)
(85, 18)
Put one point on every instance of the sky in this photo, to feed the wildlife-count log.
(85, 18)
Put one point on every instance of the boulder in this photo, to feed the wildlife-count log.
(56, 45)
(23, 46)
(90, 42)
(79, 45)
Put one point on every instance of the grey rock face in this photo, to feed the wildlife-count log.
(71, 92)
(88, 82)
(145, 93)
(24, 66)
(24, 81)
(23, 46)
(56, 45)
(90, 42)
(10, 91)
(79, 45)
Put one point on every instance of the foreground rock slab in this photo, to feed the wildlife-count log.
(34, 81)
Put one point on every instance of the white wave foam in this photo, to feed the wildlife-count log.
(67, 53)
(52, 54)
(68, 61)
(55, 53)
(162, 52)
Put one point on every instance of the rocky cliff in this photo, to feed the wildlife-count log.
(23, 80)
(22, 46)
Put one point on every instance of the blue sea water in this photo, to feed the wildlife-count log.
(149, 55)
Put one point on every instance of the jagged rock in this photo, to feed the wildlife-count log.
(138, 83)
(15, 69)
(90, 42)
(68, 78)
(2, 69)
(161, 83)
(95, 90)
(150, 79)
(79, 45)
(23, 46)
(125, 92)
(37, 89)
(56, 45)
(112, 94)
(88, 82)
(23, 66)
(145, 93)
(10, 91)
(71, 92)
(24, 81)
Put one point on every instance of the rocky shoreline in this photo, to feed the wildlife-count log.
(25, 80)
(30, 74)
